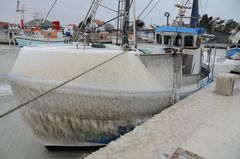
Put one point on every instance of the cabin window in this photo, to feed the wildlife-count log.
(188, 41)
(232, 46)
(159, 38)
(167, 40)
(178, 41)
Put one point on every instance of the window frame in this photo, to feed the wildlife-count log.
(169, 40)
(187, 36)
(159, 37)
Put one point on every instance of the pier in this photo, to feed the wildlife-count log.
(203, 125)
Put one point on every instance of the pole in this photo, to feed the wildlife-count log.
(126, 22)
(134, 25)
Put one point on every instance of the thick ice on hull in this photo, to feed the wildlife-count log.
(97, 107)
(71, 115)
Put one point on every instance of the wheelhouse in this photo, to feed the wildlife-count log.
(179, 37)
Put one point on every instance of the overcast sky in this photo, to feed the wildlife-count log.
(73, 11)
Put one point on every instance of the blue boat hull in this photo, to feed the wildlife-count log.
(233, 53)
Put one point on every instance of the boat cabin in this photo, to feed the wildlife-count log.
(178, 37)
(183, 40)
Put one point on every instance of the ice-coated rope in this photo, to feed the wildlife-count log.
(60, 85)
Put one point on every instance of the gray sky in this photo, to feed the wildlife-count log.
(73, 11)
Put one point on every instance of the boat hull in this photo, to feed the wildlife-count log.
(95, 108)
(73, 115)
(24, 41)
(233, 53)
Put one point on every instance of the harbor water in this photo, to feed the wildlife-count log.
(17, 139)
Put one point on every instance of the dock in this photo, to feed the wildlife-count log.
(203, 125)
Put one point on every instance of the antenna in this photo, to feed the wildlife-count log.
(182, 11)
(18, 3)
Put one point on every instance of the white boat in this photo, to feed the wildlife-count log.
(118, 87)
(40, 37)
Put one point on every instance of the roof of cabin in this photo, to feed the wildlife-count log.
(180, 30)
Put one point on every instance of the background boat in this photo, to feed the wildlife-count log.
(35, 35)
(233, 51)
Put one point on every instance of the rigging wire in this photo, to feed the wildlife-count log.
(108, 8)
(145, 9)
(201, 7)
(88, 15)
(107, 21)
(151, 9)
(76, 36)
(49, 12)
(187, 2)
(60, 85)
(93, 15)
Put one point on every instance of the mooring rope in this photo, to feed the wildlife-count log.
(60, 85)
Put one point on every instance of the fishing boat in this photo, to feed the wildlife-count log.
(233, 51)
(37, 33)
(36, 36)
(86, 95)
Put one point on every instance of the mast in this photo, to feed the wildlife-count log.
(21, 11)
(194, 15)
(126, 21)
(134, 25)
(182, 11)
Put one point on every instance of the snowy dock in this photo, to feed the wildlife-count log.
(203, 125)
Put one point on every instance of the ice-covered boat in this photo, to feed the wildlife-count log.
(117, 87)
